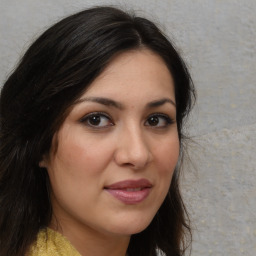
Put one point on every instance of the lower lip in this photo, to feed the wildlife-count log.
(130, 197)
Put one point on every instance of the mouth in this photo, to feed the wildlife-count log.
(130, 191)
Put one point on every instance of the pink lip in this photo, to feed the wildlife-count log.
(130, 191)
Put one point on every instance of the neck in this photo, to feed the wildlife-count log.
(88, 241)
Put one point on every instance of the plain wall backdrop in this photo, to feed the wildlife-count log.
(218, 41)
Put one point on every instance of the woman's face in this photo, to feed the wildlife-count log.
(117, 148)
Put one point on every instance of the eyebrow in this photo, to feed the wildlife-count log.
(160, 102)
(112, 103)
(103, 101)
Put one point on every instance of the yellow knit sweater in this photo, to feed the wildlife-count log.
(51, 243)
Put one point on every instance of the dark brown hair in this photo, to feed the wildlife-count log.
(53, 73)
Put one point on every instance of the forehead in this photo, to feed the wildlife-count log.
(141, 72)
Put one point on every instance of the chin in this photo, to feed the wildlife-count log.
(131, 226)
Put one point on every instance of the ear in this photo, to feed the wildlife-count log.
(43, 163)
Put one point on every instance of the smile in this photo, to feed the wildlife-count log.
(130, 191)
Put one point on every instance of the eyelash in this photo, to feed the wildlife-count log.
(167, 119)
(85, 120)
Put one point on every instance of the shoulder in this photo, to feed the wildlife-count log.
(51, 243)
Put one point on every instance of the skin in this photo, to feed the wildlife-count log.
(122, 144)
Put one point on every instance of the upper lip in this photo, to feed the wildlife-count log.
(141, 183)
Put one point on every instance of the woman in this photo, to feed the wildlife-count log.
(91, 141)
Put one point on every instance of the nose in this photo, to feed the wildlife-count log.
(132, 149)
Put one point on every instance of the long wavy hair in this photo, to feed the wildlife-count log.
(54, 72)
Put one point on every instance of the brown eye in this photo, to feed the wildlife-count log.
(153, 121)
(159, 121)
(97, 120)
(94, 120)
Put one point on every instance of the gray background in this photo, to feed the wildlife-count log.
(217, 39)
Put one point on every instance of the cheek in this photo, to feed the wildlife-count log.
(76, 170)
(166, 155)
(81, 160)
